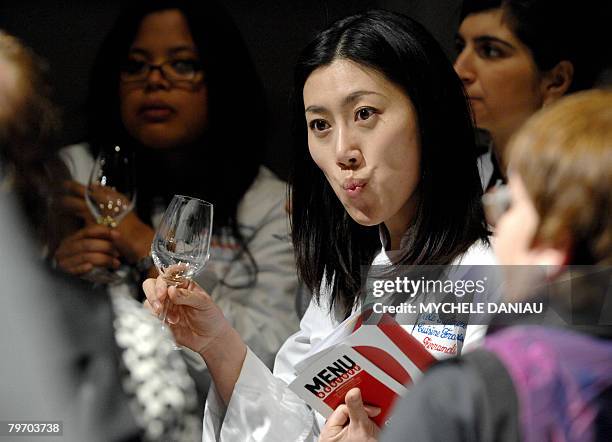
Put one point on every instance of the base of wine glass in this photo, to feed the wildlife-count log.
(101, 275)
(168, 336)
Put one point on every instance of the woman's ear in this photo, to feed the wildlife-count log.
(556, 82)
(549, 256)
(554, 257)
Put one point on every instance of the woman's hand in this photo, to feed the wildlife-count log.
(73, 201)
(90, 247)
(133, 238)
(194, 318)
(351, 422)
(197, 323)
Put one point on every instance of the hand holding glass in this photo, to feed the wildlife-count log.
(181, 246)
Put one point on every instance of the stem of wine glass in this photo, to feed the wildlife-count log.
(164, 314)
(164, 317)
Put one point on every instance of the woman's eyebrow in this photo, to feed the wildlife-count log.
(315, 109)
(490, 38)
(172, 51)
(349, 99)
(354, 96)
(138, 51)
(186, 48)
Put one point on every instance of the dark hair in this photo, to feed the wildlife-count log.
(553, 31)
(330, 246)
(29, 141)
(219, 167)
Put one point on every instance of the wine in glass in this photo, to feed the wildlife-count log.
(181, 246)
(111, 195)
(111, 192)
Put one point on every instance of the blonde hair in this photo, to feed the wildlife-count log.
(563, 155)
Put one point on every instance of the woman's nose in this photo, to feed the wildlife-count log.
(348, 153)
(464, 68)
(156, 79)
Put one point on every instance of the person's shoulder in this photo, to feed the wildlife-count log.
(479, 253)
(266, 196)
(76, 150)
(79, 161)
(266, 182)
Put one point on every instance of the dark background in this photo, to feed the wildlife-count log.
(68, 34)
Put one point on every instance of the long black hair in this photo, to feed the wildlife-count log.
(223, 163)
(554, 31)
(330, 246)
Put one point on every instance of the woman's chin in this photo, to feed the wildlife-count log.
(363, 218)
(160, 141)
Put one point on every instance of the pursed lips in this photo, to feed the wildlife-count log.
(354, 186)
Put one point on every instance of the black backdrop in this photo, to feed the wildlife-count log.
(68, 33)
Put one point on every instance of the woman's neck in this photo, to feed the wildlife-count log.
(172, 159)
(500, 144)
(395, 233)
(398, 224)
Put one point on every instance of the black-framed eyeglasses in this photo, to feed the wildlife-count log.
(137, 71)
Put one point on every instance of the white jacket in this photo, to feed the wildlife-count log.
(262, 408)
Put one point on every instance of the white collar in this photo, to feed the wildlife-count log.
(392, 256)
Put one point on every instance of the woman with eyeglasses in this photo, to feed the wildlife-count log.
(173, 82)
(516, 56)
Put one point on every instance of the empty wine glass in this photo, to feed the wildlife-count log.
(110, 195)
(181, 246)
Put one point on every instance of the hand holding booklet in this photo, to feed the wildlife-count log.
(380, 358)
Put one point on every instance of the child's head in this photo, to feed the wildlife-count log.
(561, 185)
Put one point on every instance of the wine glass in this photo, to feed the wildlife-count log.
(111, 195)
(111, 192)
(181, 246)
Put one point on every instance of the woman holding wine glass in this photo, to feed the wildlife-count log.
(191, 110)
(371, 93)
(168, 93)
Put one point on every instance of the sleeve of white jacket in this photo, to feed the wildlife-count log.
(474, 337)
(78, 160)
(262, 407)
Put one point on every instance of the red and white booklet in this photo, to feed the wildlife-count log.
(381, 359)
